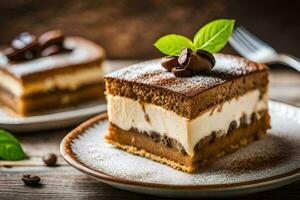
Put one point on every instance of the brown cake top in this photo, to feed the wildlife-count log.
(151, 73)
(83, 52)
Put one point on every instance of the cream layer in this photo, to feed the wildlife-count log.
(70, 81)
(127, 113)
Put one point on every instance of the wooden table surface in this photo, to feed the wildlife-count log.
(64, 181)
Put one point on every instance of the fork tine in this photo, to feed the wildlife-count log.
(238, 45)
(245, 39)
(256, 42)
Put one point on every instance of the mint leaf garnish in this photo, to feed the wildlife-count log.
(214, 35)
(10, 148)
(212, 38)
(172, 44)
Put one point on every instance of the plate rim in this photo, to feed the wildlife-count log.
(71, 159)
(56, 116)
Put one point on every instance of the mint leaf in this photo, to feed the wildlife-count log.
(10, 148)
(172, 44)
(214, 35)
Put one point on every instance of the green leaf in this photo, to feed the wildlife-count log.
(172, 44)
(214, 35)
(10, 148)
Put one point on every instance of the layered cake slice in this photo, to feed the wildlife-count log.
(40, 74)
(187, 122)
(191, 107)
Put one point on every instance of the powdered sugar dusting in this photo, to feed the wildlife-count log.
(152, 73)
(275, 154)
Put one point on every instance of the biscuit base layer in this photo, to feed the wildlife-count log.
(141, 144)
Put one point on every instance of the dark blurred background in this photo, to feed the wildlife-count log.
(128, 28)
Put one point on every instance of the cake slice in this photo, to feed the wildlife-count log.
(187, 122)
(50, 77)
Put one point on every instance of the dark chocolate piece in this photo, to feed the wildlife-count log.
(23, 47)
(55, 37)
(182, 72)
(170, 62)
(51, 50)
(201, 61)
(185, 57)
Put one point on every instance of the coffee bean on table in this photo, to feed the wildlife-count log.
(31, 180)
(50, 159)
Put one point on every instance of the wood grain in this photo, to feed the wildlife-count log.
(64, 182)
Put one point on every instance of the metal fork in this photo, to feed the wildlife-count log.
(255, 49)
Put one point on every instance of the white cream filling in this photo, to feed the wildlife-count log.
(69, 81)
(127, 113)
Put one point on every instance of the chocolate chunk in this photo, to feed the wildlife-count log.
(50, 159)
(208, 56)
(200, 61)
(181, 72)
(213, 137)
(54, 37)
(155, 136)
(243, 120)
(166, 141)
(147, 118)
(31, 180)
(170, 62)
(180, 148)
(23, 47)
(51, 50)
(24, 40)
(232, 126)
(253, 117)
(185, 57)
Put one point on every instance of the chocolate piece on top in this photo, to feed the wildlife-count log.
(188, 62)
(170, 62)
(55, 37)
(23, 47)
(27, 47)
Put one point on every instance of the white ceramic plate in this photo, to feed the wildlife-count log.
(271, 162)
(59, 119)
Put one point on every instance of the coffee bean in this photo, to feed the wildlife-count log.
(181, 72)
(184, 57)
(54, 37)
(50, 159)
(170, 62)
(31, 180)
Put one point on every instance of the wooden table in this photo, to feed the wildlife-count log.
(64, 181)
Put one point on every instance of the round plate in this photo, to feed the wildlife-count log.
(271, 162)
(57, 119)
